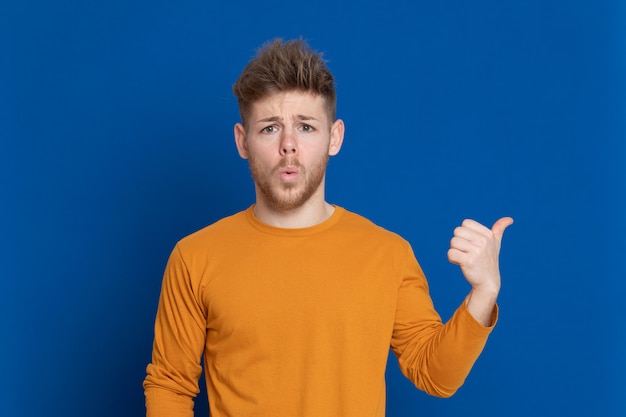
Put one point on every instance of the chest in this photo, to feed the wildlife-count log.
(298, 290)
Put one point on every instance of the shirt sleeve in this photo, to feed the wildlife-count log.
(436, 357)
(172, 377)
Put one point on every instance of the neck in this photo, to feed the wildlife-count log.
(309, 214)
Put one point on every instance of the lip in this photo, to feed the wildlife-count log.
(289, 170)
(289, 173)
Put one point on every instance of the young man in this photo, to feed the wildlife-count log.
(294, 302)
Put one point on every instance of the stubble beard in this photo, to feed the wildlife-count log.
(288, 196)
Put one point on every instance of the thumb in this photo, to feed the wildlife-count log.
(499, 226)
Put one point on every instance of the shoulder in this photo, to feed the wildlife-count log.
(229, 227)
(378, 244)
(364, 228)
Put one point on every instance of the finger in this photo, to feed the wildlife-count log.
(499, 226)
(460, 244)
(472, 231)
(456, 256)
(474, 225)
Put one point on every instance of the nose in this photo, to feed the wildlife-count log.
(288, 145)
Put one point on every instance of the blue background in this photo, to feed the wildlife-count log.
(116, 141)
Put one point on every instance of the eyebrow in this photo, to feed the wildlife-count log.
(280, 119)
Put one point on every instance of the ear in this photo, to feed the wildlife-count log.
(240, 140)
(336, 137)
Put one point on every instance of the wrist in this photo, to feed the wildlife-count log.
(481, 303)
(486, 290)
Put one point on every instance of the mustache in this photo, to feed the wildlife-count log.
(289, 162)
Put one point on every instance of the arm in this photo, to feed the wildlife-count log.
(476, 249)
(436, 357)
(179, 334)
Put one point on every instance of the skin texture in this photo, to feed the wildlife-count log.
(288, 141)
(476, 248)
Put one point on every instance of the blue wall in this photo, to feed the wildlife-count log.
(116, 140)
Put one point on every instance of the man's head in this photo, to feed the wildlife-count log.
(281, 67)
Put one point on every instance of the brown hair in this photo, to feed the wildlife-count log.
(285, 66)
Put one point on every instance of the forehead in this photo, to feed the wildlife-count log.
(287, 104)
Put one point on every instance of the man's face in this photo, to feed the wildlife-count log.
(288, 141)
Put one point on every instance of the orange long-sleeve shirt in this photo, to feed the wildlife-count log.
(299, 322)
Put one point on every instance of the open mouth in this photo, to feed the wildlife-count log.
(290, 170)
(289, 173)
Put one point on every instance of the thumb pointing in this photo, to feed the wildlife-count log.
(499, 226)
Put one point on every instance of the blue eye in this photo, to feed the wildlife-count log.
(306, 128)
(269, 129)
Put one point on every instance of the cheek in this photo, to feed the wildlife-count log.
(260, 165)
(260, 154)
(314, 149)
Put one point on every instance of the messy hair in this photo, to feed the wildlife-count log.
(285, 66)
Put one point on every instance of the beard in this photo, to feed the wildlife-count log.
(288, 196)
